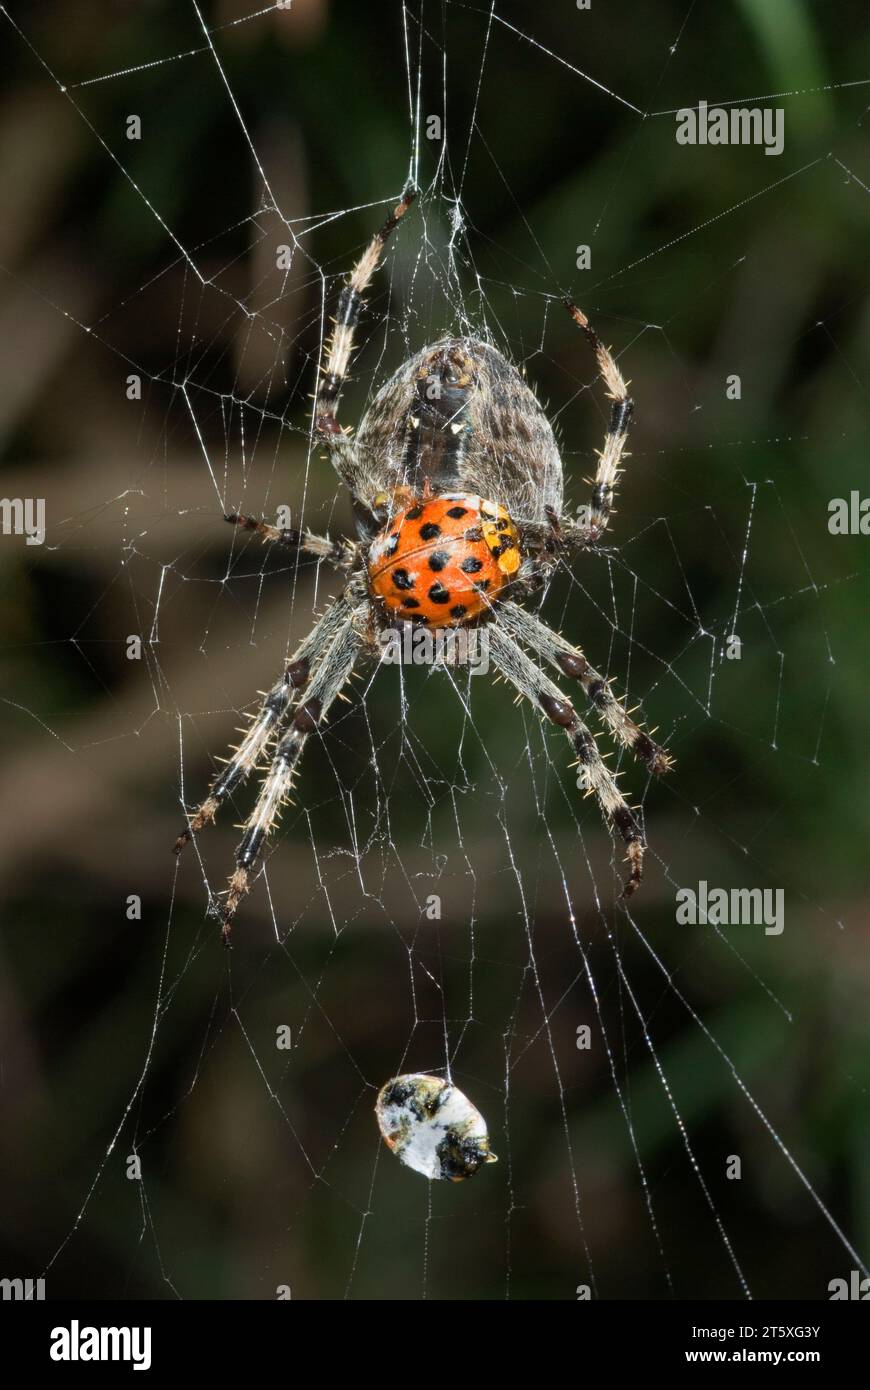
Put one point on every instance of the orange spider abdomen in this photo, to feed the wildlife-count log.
(442, 561)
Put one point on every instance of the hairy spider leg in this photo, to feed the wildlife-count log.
(616, 438)
(594, 776)
(341, 554)
(350, 301)
(331, 675)
(269, 717)
(552, 647)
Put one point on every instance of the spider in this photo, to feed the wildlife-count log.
(456, 485)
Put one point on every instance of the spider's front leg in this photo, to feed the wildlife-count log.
(326, 684)
(594, 776)
(551, 646)
(268, 718)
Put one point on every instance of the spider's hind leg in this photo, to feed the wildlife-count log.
(594, 776)
(350, 302)
(610, 458)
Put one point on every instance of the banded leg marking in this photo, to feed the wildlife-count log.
(594, 776)
(268, 718)
(340, 346)
(621, 411)
(331, 675)
(552, 647)
(340, 554)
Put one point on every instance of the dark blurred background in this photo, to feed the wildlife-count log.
(157, 258)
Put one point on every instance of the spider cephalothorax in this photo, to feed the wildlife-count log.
(456, 486)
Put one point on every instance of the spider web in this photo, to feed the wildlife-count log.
(439, 897)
